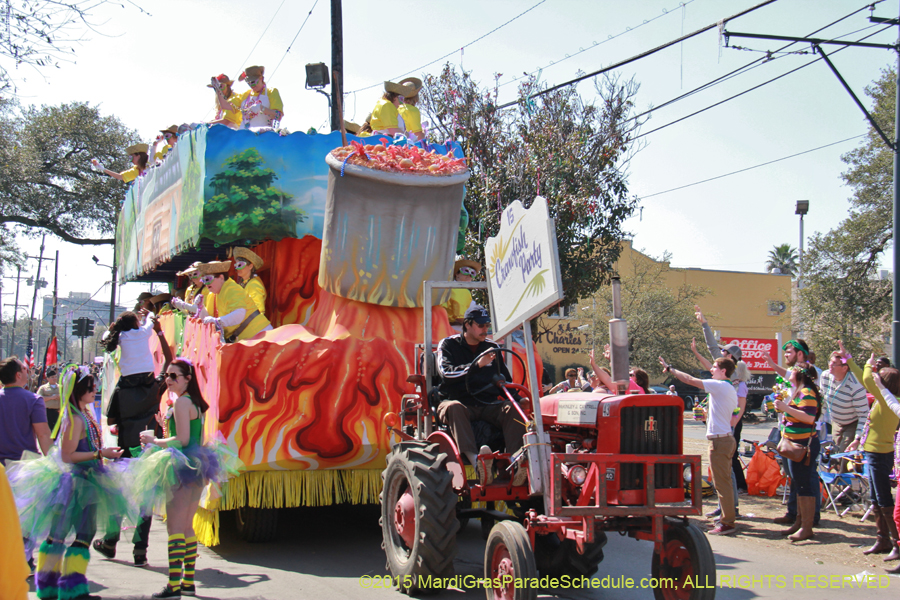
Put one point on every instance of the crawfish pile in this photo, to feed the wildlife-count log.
(399, 159)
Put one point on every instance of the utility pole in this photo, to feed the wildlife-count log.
(893, 144)
(12, 334)
(337, 63)
(55, 295)
(112, 297)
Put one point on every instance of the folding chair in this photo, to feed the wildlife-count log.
(852, 486)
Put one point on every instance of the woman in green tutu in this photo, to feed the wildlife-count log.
(69, 489)
(175, 468)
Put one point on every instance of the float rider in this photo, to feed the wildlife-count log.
(228, 306)
(246, 264)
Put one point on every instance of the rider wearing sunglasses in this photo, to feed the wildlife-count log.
(170, 135)
(228, 305)
(193, 295)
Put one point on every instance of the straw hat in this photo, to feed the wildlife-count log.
(248, 255)
(215, 267)
(173, 129)
(137, 148)
(404, 90)
(465, 262)
(252, 73)
(190, 270)
(415, 82)
(144, 296)
(160, 298)
(351, 127)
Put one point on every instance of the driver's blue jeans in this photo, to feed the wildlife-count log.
(458, 417)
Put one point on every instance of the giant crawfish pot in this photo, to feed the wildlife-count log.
(385, 233)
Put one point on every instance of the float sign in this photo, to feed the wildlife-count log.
(522, 266)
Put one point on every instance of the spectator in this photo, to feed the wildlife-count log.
(50, 393)
(574, 380)
(722, 402)
(845, 404)
(605, 377)
(261, 107)
(132, 405)
(800, 416)
(24, 414)
(641, 378)
(139, 158)
(877, 443)
(795, 351)
(228, 104)
(671, 391)
(890, 399)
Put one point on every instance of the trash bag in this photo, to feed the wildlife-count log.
(764, 475)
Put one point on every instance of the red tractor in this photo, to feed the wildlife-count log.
(614, 463)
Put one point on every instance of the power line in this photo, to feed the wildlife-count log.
(756, 87)
(637, 57)
(272, 74)
(492, 31)
(681, 187)
(241, 68)
(610, 38)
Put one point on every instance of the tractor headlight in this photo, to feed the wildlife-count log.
(577, 475)
(688, 475)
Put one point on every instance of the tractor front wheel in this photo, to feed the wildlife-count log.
(686, 567)
(418, 516)
(508, 560)
(256, 525)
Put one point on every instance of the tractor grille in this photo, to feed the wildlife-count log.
(650, 430)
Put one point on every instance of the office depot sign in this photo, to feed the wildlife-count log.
(753, 351)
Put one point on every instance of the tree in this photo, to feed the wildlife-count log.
(843, 296)
(246, 205)
(660, 319)
(46, 181)
(41, 33)
(784, 258)
(572, 152)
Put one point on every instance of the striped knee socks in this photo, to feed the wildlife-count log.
(176, 557)
(49, 564)
(190, 559)
(73, 582)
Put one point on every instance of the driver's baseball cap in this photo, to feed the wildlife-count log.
(479, 314)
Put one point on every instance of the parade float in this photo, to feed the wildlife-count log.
(348, 234)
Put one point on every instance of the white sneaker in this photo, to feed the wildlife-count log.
(484, 468)
(520, 476)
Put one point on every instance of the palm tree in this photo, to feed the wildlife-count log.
(784, 258)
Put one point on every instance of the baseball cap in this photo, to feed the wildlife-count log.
(479, 314)
(732, 349)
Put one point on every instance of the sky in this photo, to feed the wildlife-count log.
(149, 67)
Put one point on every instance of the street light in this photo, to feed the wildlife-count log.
(112, 284)
(802, 209)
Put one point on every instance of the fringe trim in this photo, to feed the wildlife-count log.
(280, 489)
(287, 489)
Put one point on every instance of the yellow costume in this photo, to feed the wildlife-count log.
(257, 292)
(458, 303)
(191, 293)
(412, 118)
(231, 298)
(234, 115)
(13, 568)
(384, 116)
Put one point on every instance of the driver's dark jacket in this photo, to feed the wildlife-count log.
(455, 358)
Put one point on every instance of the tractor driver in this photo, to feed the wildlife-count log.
(455, 359)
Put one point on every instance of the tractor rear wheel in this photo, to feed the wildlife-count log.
(418, 516)
(555, 557)
(508, 557)
(256, 525)
(686, 554)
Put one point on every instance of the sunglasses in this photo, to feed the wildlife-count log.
(207, 279)
(173, 376)
(169, 135)
(252, 82)
(240, 264)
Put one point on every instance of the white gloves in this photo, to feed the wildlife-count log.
(211, 321)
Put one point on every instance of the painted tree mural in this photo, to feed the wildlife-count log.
(246, 205)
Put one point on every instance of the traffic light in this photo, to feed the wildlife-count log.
(88, 327)
(77, 330)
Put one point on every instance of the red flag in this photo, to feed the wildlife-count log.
(50, 358)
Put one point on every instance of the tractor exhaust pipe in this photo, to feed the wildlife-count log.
(618, 340)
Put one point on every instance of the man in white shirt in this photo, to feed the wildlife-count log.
(845, 404)
(722, 445)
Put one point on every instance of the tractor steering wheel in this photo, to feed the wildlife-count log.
(498, 380)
